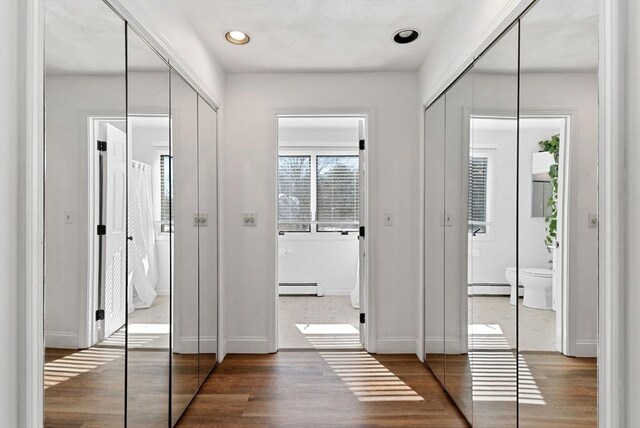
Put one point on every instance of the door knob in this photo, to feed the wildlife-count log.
(130, 238)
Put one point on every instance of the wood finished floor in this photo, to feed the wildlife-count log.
(321, 389)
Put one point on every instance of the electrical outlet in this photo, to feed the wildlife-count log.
(249, 219)
(68, 217)
(388, 219)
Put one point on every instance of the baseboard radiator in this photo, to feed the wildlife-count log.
(301, 289)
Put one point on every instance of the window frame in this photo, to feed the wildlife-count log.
(314, 153)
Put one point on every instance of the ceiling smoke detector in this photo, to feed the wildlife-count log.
(406, 35)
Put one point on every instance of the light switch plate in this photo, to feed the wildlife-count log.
(249, 219)
(68, 217)
(388, 219)
(204, 219)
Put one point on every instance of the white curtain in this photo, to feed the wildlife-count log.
(355, 293)
(143, 267)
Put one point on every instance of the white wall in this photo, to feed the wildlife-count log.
(471, 27)
(325, 258)
(248, 173)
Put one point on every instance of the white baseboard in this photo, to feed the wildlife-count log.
(189, 345)
(493, 290)
(586, 348)
(338, 292)
(396, 345)
(437, 345)
(247, 345)
(208, 345)
(61, 339)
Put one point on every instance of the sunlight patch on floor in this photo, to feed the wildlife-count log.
(493, 368)
(367, 378)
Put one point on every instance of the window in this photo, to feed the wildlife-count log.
(337, 196)
(166, 194)
(328, 198)
(294, 193)
(478, 186)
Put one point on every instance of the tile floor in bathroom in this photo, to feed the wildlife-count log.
(311, 322)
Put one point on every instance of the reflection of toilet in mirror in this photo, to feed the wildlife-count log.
(538, 286)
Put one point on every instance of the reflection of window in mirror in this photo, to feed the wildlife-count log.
(480, 194)
(542, 191)
(162, 189)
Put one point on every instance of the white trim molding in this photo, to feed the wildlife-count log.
(397, 345)
(611, 364)
(247, 345)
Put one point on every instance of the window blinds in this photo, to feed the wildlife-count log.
(294, 193)
(166, 190)
(337, 203)
(478, 194)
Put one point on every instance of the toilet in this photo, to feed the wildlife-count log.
(538, 286)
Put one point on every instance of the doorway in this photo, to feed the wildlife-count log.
(321, 197)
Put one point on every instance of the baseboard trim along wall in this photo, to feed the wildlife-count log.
(247, 345)
(586, 348)
(396, 345)
(61, 339)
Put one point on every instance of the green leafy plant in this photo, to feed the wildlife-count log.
(552, 146)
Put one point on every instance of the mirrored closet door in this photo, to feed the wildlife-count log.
(85, 218)
(511, 280)
(131, 225)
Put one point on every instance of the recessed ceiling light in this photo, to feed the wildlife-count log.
(237, 37)
(406, 35)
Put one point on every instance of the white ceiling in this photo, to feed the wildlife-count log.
(86, 37)
(308, 35)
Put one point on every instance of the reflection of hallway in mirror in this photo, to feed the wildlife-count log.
(554, 390)
(308, 322)
(537, 327)
(85, 386)
(148, 364)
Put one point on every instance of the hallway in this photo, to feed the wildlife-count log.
(308, 388)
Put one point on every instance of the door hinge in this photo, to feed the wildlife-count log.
(362, 318)
(361, 144)
(362, 231)
(102, 229)
(102, 146)
(99, 314)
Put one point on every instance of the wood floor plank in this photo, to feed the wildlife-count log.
(312, 389)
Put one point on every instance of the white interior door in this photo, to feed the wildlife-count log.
(362, 271)
(114, 272)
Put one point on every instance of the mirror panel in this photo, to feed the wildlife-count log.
(85, 290)
(457, 368)
(148, 325)
(558, 253)
(492, 241)
(208, 238)
(184, 292)
(434, 238)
